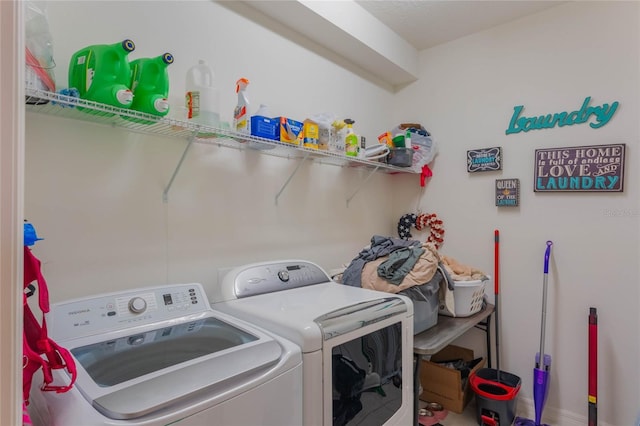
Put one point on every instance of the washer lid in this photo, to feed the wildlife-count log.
(136, 374)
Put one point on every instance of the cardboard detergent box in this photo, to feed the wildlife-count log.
(310, 134)
(290, 131)
(444, 384)
(265, 127)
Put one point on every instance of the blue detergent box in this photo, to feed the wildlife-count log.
(265, 127)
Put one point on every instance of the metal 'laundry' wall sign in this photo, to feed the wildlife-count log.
(595, 168)
(597, 115)
(482, 160)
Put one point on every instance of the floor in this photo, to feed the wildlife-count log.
(467, 418)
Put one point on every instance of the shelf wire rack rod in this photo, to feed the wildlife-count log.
(364, 182)
(306, 155)
(165, 193)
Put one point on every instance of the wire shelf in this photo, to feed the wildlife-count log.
(56, 104)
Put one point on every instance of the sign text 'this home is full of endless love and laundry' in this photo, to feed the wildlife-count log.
(601, 115)
(598, 168)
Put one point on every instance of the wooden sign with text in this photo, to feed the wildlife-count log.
(484, 160)
(507, 192)
(595, 168)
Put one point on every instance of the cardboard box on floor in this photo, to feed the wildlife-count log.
(443, 384)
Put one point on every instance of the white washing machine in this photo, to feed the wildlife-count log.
(161, 355)
(357, 344)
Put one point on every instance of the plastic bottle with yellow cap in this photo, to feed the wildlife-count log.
(351, 147)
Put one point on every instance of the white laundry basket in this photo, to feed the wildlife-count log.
(468, 297)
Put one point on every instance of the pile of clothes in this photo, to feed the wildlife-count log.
(395, 265)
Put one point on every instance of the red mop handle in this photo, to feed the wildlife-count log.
(496, 288)
(593, 367)
(496, 257)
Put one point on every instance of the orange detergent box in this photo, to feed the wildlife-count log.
(386, 139)
(291, 131)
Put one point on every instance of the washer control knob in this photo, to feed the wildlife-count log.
(283, 275)
(136, 340)
(137, 305)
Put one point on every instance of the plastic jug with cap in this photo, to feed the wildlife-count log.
(202, 98)
(102, 73)
(150, 86)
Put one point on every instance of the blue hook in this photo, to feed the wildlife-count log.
(30, 236)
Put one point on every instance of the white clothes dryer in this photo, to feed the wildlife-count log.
(160, 355)
(357, 344)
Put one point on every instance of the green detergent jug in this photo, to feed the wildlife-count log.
(102, 73)
(150, 86)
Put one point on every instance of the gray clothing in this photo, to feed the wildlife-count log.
(380, 246)
(399, 264)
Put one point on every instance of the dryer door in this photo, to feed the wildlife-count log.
(368, 363)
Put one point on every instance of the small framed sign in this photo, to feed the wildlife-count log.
(507, 192)
(484, 160)
(594, 168)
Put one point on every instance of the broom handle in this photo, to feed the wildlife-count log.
(593, 367)
(544, 300)
(496, 289)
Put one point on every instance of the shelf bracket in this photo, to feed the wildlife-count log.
(165, 193)
(306, 155)
(364, 182)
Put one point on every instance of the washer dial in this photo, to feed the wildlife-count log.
(283, 275)
(137, 305)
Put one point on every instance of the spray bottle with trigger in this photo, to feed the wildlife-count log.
(241, 121)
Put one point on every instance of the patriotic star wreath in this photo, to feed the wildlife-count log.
(420, 222)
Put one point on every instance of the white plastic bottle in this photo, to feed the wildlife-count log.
(202, 98)
(241, 117)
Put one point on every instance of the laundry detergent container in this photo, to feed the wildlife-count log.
(102, 73)
(425, 304)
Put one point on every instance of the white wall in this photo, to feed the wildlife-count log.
(466, 92)
(95, 193)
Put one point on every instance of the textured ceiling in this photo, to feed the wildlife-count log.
(427, 23)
